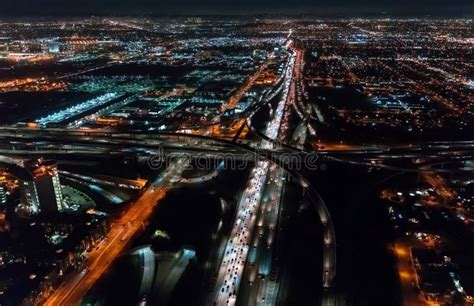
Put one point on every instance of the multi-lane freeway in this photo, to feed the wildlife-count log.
(244, 240)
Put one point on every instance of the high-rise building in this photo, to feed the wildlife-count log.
(41, 192)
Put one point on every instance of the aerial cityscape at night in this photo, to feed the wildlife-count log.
(236, 160)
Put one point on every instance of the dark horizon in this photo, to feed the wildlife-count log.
(340, 8)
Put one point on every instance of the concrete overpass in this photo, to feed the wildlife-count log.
(43, 142)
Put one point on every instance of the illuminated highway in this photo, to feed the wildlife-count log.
(142, 138)
(237, 249)
(258, 288)
(407, 273)
(122, 232)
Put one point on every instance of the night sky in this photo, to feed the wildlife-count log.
(159, 7)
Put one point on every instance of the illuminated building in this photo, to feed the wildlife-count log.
(54, 48)
(42, 192)
(3, 195)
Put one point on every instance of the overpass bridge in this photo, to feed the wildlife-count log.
(86, 142)
(142, 137)
(329, 256)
